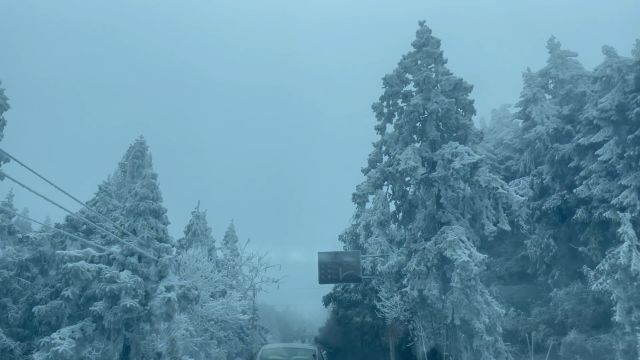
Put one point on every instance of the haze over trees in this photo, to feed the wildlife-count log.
(511, 241)
(109, 282)
(514, 241)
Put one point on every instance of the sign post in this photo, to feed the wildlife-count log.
(339, 267)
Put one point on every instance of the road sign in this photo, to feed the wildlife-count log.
(339, 267)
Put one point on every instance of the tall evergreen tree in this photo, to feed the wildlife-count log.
(500, 142)
(578, 174)
(4, 107)
(215, 322)
(609, 189)
(136, 184)
(550, 102)
(549, 110)
(619, 275)
(444, 204)
(46, 224)
(22, 224)
(198, 234)
(221, 319)
(145, 218)
(114, 304)
(230, 242)
(27, 279)
(230, 251)
(7, 215)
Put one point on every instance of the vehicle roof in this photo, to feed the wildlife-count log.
(290, 345)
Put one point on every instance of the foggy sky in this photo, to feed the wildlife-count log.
(259, 109)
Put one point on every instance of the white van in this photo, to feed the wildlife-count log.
(290, 352)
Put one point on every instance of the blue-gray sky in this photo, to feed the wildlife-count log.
(260, 109)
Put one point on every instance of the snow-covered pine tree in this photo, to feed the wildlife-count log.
(46, 224)
(136, 186)
(635, 51)
(114, 304)
(206, 313)
(230, 243)
(214, 316)
(218, 294)
(39, 312)
(609, 187)
(4, 107)
(26, 259)
(23, 225)
(7, 214)
(538, 286)
(619, 275)
(607, 143)
(579, 168)
(24, 266)
(500, 142)
(109, 207)
(549, 105)
(230, 253)
(198, 234)
(8, 347)
(444, 203)
(25, 282)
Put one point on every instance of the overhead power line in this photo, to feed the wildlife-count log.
(75, 237)
(82, 218)
(82, 203)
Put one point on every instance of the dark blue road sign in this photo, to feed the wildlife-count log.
(339, 267)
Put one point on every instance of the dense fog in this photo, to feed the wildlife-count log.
(486, 175)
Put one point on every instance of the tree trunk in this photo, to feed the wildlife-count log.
(394, 332)
(392, 348)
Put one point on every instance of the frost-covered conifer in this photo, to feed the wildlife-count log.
(619, 275)
(579, 168)
(136, 184)
(216, 323)
(230, 249)
(7, 215)
(551, 102)
(442, 203)
(501, 142)
(23, 225)
(635, 52)
(549, 105)
(46, 224)
(606, 149)
(230, 252)
(198, 234)
(4, 107)
(609, 188)
(217, 296)
(114, 304)
(106, 203)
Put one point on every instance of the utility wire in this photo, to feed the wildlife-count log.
(95, 212)
(140, 251)
(82, 203)
(75, 237)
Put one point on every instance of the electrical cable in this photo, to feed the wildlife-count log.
(43, 178)
(75, 237)
(71, 213)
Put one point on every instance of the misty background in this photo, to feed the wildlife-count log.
(261, 109)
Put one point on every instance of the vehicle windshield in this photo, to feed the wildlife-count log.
(288, 353)
(373, 180)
